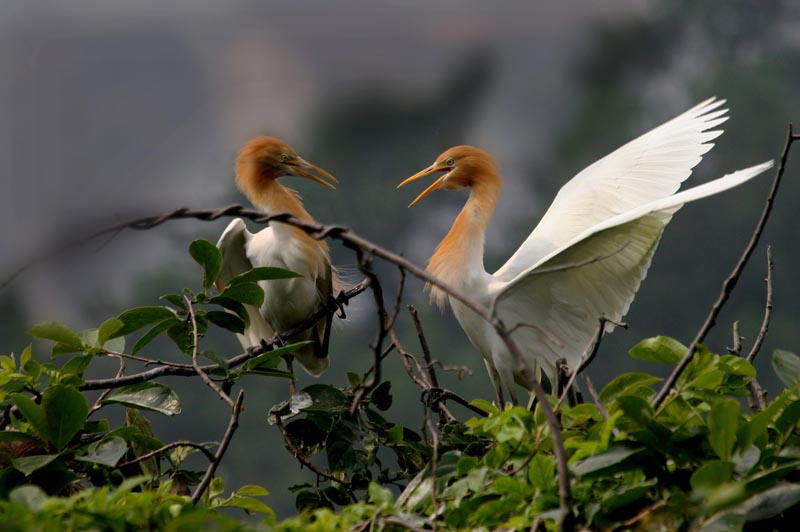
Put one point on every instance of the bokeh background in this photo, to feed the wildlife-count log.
(115, 110)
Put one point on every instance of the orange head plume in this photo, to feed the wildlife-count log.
(267, 158)
(463, 166)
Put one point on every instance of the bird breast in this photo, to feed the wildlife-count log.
(297, 297)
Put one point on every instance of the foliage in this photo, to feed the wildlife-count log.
(698, 462)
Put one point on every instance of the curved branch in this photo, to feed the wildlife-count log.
(729, 283)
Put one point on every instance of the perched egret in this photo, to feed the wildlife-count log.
(587, 256)
(287, 302)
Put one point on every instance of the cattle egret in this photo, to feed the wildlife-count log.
(587, 256)
(287, 302)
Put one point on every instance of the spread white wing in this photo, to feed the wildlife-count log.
(556, 303)
(648, 168)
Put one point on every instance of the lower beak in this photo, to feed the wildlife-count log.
(303, 168)
(431, 169)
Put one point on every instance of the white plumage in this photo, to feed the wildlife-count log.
(589, 253)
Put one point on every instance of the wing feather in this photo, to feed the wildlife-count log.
(596, 274)
(648, 168)
(233, 245)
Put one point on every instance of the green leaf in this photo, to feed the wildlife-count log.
(252, 490)
(65, 409)
(712, 474)
(109, 327)
(789, 417)
(9, 436)
(247, 293)
(57, 332)
(226, 320)
(771, 502)
(326, 399)
(151, 396)
(662, 349)
(722, 424)
(175, 299)
(266, 360)
(209, 257)
(33, 413)
(66, 339)
(136, 318)
(607, 462)
(154, 333)
(787, 366)
(105, 452)
(29, 464)
(626, 383)
(266, 273)
(75, 367)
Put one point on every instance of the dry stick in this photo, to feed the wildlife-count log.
(223, 446)
(599, 403)
(730, 282)
(99, 403)
(302, 459)
(762, 333)
(757, 400)
(167, 447)
(423, 343)
(238, 360)
(360, 244)
(195, 365)
(367, 384)
(737, 340)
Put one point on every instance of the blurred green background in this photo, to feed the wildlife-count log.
(114, 111)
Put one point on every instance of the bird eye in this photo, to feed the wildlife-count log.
(449, 162)
(284, 157)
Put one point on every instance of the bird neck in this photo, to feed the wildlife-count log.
(274, 198)
(458, 258)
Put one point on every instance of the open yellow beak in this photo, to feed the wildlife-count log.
(302, 168)
(431, 169)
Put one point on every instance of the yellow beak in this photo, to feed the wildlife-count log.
(302, 168)
(431, 169)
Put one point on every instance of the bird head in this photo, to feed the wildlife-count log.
(461, 166)
(267, 158)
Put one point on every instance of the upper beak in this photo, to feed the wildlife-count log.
(431, 169)
(302, 168)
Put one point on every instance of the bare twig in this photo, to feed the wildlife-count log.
(729, 283)
(99, 403)
(233, 424)
(762, 333)
(736, 349)
(599, 403)
(368, 383)
(195, 342)
(423, 343)
(302, 459)
(202, 448)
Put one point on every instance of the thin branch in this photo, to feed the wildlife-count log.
(302, 459)
(730, 282)
(234, 362)
(368, 383)
(202, 448)
(736, 349)
(233, 424)
(599, 403)
(195, 365)
(423, 343)
(762, 333)
(99, 403)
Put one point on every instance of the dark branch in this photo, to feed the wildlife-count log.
(233, 424)
(730, 282)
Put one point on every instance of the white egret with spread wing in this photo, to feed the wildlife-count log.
(587, 256)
